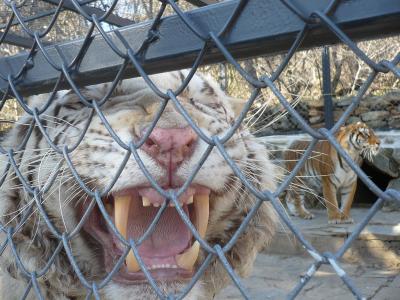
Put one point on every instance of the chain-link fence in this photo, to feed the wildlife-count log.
(225, 31)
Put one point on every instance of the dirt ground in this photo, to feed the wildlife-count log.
(274, 276)
(372, 262)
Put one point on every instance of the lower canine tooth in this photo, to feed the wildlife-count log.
(131, 262)
(188, 259)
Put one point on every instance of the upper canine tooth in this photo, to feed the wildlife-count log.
(145, 201)
(202, 211)
(121, 213)
(190, 200)
(187, 259)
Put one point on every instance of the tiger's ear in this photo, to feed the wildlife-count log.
(237, 105)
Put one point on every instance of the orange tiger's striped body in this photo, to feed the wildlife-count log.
(327, 173)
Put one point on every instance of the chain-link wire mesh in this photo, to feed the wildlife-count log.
(129, 56)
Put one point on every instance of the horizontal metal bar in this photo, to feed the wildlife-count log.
(111, 19)
(263, 27)
(20, 41)
(201, 3)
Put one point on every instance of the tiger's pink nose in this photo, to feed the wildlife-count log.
(170, 146)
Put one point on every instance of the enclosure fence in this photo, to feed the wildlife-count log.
(221, 32)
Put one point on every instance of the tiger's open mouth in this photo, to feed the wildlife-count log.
(169, 252)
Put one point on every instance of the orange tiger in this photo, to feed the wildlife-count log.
(327, 173)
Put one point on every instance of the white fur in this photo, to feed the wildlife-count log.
(124, 112)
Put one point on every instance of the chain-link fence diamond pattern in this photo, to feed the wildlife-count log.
(63, 70)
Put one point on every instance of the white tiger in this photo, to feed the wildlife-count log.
(216, 201)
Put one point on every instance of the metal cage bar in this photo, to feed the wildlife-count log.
(264, 27)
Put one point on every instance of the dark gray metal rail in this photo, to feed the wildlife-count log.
(264, 27)
(20, 41)
(201, 3)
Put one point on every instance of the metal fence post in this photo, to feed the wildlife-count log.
(327, 88)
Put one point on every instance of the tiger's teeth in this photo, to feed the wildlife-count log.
(201, 204)
(202, 211)
(172, 204)
(187, 259)
(131, 262)
(145, 201)
(121, 213)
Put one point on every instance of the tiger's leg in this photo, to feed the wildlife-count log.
(295, 204)
(347, 195)
(329, 191)
(304, 213)
(291, 199)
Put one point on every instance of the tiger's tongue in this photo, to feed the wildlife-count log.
(169, 237)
